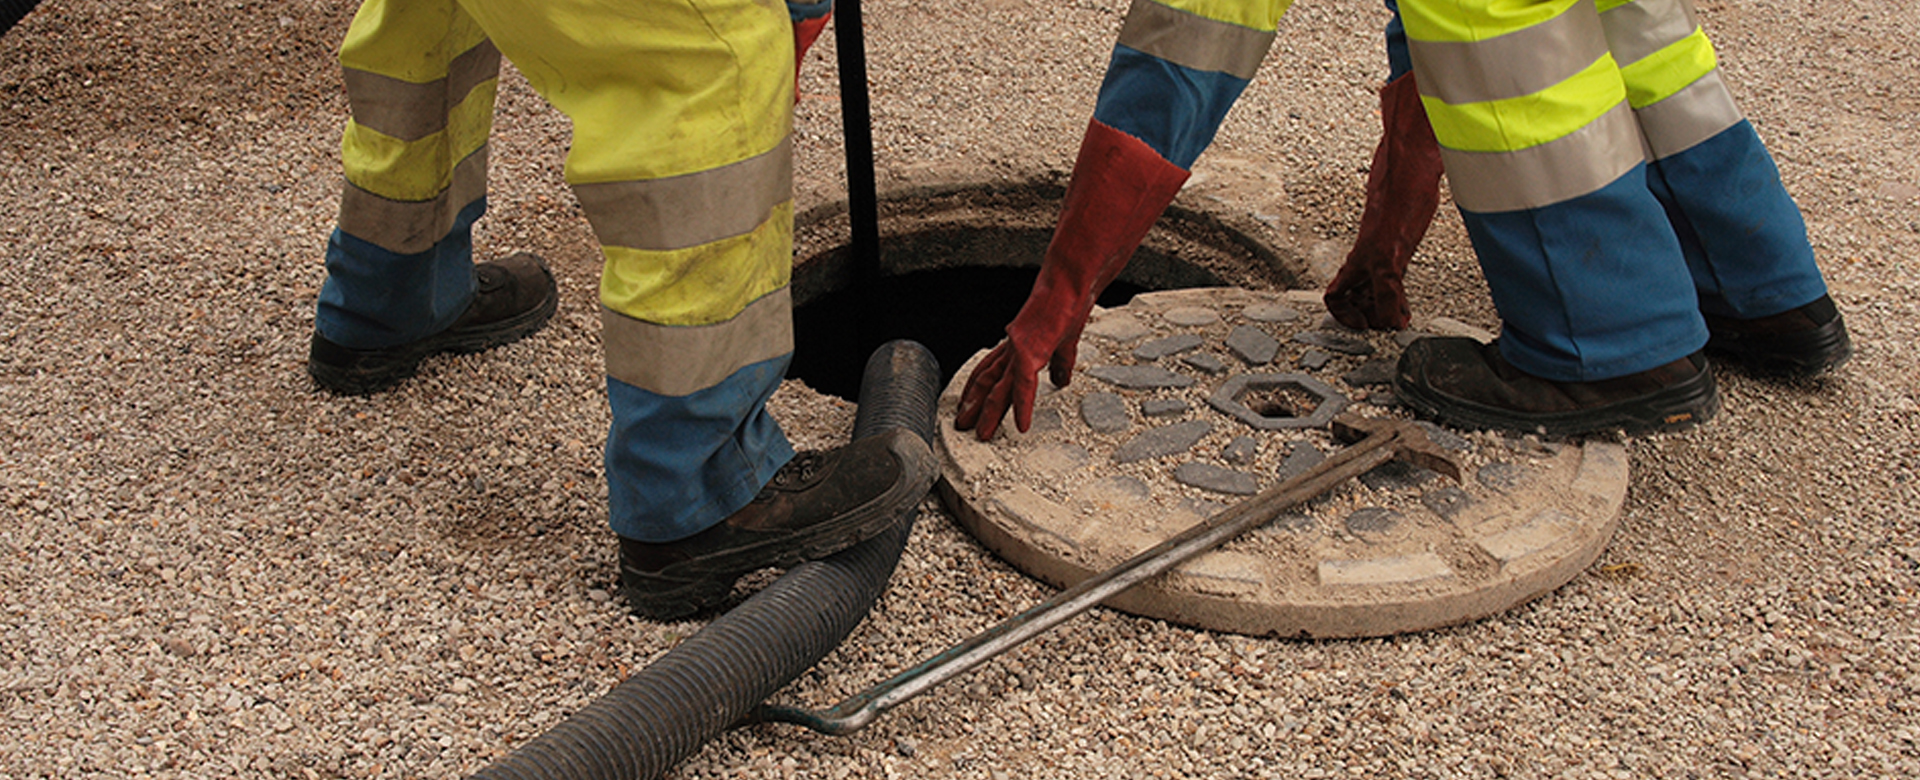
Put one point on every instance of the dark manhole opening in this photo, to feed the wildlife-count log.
(956, 264)
(1285, 402)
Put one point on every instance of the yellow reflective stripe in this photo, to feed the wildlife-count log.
(421, 168)
(1696, 113)
(679, 361)
(410, 111)
(1520, 63)
(407, 227)
(1636, 30)
(654, 89)
(1669, 70)
(1529, 120)
(700, 285)
(408, 40)
(1263, 15)
(1447, 20)
(1554, 172)
(684, 211)
(1188, 39)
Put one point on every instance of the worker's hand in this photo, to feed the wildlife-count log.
(809, 18)
(1046, 331)
(1403, 191)
(1119, 187)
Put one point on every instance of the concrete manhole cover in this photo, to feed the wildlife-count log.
(1186, 401)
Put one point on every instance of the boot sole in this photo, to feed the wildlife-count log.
(695, 585)
(1676, 408)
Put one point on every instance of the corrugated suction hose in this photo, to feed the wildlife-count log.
(666, 711)
(13, 11)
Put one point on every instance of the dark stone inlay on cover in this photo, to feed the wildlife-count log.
(1206, 362)
(1338, 342)
(1395, 474)
(1372, 520)
(1207, 476)
(1501, 475)
(1168, 347)
(1315, 359)
(1047, 420)
(1447, 502)
(1163, 441)
(1303, 456)
(1105, 412)
(1378, 371)
(1163, 407)
(1293, 522)
(1259, 400)
(1252, 345)
(1139, 377)
(1241, 451)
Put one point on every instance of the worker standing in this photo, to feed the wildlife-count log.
(682, 163)
(1624, 212)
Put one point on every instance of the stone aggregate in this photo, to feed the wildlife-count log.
(210, 570)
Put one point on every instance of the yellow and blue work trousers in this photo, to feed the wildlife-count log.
(1611, 188)
(682, 163)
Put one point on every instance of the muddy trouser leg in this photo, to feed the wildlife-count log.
(682, 162)
(420, 78)
(1745, 240)
(1549, 172)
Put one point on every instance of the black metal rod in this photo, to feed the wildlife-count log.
(863, 208)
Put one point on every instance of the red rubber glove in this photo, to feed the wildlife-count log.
(1118, 189)
(806, 30)
(1403, 191)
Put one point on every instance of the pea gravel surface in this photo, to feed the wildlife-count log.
(209, 568)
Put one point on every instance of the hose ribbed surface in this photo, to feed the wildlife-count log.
(12, 11)
(665, 712)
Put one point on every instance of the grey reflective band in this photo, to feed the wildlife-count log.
(1520, 63)
(408, 227)
(1194, 41)
(409, 111)
(678, 361)
(1685, 118)
(679, 212)
(1644, 27)
(1554, 172)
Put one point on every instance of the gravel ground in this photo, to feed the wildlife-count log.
(210, 569)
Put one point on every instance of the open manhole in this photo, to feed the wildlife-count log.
(1204, 378)
(956, 263)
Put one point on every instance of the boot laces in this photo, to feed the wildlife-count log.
(799, 471)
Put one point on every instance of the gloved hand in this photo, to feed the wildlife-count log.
(1403, 191)
(808, 20)
(1118, 189)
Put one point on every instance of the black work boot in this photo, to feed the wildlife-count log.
(1802, 342)
(512, 297)
(1465, 383)
(818, 504)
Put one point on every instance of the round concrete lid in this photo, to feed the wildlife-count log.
(1186, 401)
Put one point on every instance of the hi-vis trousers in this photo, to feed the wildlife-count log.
(1612, 189)
(682, 162)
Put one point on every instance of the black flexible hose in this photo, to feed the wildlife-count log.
(12, 11)
(666, 711)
